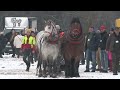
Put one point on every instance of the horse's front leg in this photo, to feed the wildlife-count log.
(54, 69)
(50, 68)
(76, 69)
(67, 68)
(44, 68)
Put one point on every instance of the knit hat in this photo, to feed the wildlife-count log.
(102, 27)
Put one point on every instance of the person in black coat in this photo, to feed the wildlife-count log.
(103, 52)
(91, 46)
(115, 49)
(10, 38)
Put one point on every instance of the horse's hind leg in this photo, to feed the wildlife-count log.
(40, 69)
(37, 69)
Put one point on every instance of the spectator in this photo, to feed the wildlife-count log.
(98, 53)
(33, 55)
(108, 49)
(17, 43)
(115, 49)
(91, 46)
(103, 53)
(28, 47)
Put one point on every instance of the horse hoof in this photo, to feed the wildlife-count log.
(54, 76)
(51, 75)
(40, 75)
(77, 75)
(67, 77)
(44, 76)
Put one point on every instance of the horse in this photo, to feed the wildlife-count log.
(73, 48)
(47, 42)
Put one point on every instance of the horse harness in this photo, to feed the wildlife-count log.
(50, 36)
(70, 40)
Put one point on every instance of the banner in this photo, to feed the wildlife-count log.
(16, 22)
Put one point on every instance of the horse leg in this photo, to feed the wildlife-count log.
(54, 68)
(40, 71)
(44, 68)
(39, 68)
(76, 67)
(58, 65)
(50, 65)
(67, 68)
(72, 62)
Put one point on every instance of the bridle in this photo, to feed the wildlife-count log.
(50, 34)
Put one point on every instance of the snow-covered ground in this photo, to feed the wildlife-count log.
(14, 68)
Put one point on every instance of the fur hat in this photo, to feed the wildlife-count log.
(28, 30)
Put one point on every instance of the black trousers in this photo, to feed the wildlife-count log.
(13, 48)
(17, 51)
(1, 50)
(115, 61)
(27, 56)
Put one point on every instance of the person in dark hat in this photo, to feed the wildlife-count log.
(108, 49)
(115, 49)
(103, 53)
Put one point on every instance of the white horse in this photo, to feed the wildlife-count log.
(48, 48)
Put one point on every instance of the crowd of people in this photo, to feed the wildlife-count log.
(101, 48)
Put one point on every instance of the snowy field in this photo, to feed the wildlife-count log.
(13, 68)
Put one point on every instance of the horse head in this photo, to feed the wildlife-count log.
(52, 31)
(75, 28)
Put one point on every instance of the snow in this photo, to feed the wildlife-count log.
(14, 68)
